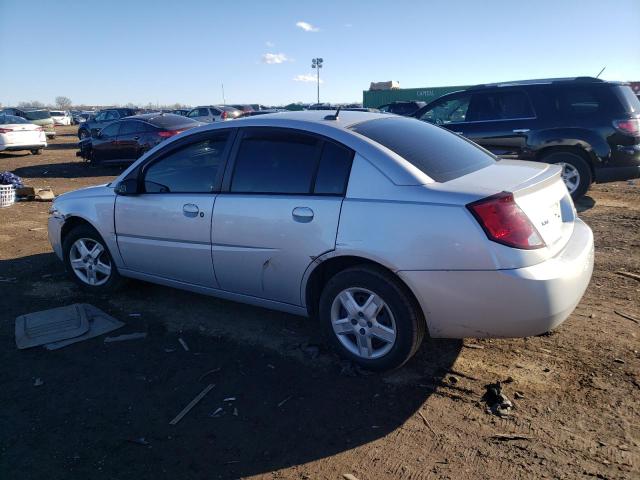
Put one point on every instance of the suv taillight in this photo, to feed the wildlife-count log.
(629, 126)
(504, 222)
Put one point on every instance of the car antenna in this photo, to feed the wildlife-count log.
(335, 115)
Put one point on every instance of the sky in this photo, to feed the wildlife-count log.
(166, 51)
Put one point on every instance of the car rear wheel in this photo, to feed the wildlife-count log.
(370, 318)
(88, 260)
(36, 151)
(576, 173)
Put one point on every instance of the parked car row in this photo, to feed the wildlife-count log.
(17, 133)
(39, 117)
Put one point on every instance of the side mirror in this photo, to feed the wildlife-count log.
(128, 186)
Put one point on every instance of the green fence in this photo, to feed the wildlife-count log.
(376, 98)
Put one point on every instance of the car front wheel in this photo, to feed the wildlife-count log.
(88, 260)
(369, 317)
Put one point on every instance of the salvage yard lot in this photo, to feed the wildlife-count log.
(103, 410)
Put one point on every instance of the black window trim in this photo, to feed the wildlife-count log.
(321, 139)
(139, 172)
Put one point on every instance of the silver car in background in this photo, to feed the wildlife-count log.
(381, 227)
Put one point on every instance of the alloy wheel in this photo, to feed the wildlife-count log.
(363, 323)
(570, 176)
(90, 262)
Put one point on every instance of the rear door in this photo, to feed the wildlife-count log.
(280, 211)
(166, 231)
(132, 139)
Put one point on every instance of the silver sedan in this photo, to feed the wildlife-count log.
(382, 228)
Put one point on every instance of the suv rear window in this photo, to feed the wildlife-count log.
(628, 99)
(440, 154)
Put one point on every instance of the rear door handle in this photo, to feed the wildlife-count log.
(190, 210)
(302, 214)
(521, 130)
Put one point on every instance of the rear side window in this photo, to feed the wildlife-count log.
(333, 171)
(438, 153)
(629, 100)
(275, 162)
(110, 130)
(132, 126)
(193, 168)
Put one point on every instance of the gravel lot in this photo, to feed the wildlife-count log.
(103, 410)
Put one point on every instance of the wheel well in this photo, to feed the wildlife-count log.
(588, 157)
(327, 269)
(71, 223)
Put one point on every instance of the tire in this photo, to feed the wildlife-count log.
(573, 164)
(399, 314)
(36, 151)
(82, 134)
(87, 235)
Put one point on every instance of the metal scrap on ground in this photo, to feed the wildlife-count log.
(192, 404)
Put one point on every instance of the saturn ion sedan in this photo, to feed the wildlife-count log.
(383, 228)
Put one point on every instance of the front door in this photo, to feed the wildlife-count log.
(166, 231)
(104, 143)
(280, 212)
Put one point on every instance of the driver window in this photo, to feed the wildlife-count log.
(450, 110)
(112, 115)
(110, 130)
(100, 117)
(193, 168)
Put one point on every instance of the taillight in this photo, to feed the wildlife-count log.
(504, 222)
(629, 126)
(169, 133)
(223, 116)
(6, 130)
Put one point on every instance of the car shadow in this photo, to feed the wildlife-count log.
(77, 169)
(62, 146)
(268, 410)
(584, 203)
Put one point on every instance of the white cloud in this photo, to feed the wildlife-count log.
(310, 77)
(275, 58)
(270, 44)
(307, 27)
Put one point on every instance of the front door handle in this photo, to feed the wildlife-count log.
(190, 210)
(521, 130)
(302, 214)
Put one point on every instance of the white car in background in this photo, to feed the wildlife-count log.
(214, 113)
(61, 117)
(16, 133)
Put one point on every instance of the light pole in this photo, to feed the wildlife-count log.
(317, 64)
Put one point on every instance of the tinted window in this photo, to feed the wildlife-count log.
(193, 113)
(507, 105)
(37, 115)
(173, 122)
(190, 169)
(110, 130)
(629, 100)
(100, 117)
(275, 162)
(11, 119)
(130, 127)
(112, 115)
(440, 154)
(333, 172)
(448, 110)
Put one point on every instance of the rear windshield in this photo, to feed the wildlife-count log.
(37, 115)
(11, 119)
(437, 152)
(172, 121)
(629, 99)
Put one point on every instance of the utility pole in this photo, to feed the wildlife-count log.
(224, 101)
(317, 64)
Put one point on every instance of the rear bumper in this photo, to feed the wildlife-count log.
(624, 165)
(506, 303)
(15, 148)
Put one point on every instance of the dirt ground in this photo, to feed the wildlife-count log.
(103, 410)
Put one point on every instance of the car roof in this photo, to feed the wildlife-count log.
(346, 118)
(544, 81)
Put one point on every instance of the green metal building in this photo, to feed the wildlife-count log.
(376, 98)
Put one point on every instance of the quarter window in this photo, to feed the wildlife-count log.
(333, 171)
(275, 162)
(194, 168)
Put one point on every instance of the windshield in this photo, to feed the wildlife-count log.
(37, 115)
(437, 152)
(11, 119)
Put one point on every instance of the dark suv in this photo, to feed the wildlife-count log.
(404, 108)
(102, 119)
(591, 127)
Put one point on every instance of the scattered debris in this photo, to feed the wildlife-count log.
(618, 360)
(634, 276)
(473, 345)
(284, 401)
(348, 476)
(235, 412)
(169, 350)
(139, 441)
(205, 374)
(135, 314)
(35, 229)
(217, 413)
(426, 422)
(38, 382)
(126, 337)
(627, 316)
(497, 402)
(8, 280)
(44, 195)
(192, 404)
(453, 379)
(271, 366)
(229, 399)
(518, 395)
(510, 436)
(99, 324)
(55, 324)
(184, 344)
